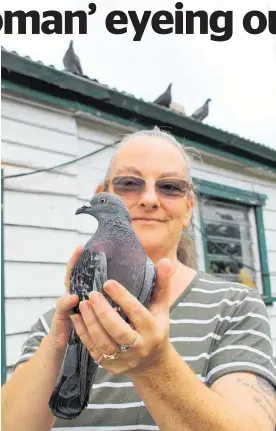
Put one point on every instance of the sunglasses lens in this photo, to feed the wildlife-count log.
(167, 188)
(128, 186)
(170, 188)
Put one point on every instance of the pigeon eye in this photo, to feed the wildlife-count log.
(102, 200)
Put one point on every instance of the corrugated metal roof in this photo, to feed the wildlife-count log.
(23, 75)
(95, 81)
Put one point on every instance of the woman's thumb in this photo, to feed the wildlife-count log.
(165, 268)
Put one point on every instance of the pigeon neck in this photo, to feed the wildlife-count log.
(114, 223)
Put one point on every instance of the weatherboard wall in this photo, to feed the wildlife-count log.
(41, 229)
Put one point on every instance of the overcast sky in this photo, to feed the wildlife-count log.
(239, 74)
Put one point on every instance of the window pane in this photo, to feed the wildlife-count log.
(228, 241)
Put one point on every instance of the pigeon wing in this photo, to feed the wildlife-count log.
(197, 113)
(71, 394)
(89, 274)
(72, 62)
(66, 63)
(78, 64)
(164, 99)
(201, 113)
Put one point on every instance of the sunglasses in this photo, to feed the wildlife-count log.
(167, 188)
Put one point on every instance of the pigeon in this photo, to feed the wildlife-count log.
(165, 98)
(71, 61)
(201, 113)
(113, 252)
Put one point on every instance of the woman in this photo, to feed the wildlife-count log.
(200, 357)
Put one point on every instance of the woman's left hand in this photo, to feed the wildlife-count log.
(102, 330)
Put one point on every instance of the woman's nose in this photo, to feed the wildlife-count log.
(148, 197)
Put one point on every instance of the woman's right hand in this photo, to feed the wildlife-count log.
(61, 323)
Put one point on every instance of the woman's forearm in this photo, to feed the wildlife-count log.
(26, 395)
(176, 399)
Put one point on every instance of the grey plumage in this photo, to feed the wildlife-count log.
(71, 61)
(201, 113)
(113, 252)
(165, 98)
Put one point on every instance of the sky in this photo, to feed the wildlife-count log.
(239, 75)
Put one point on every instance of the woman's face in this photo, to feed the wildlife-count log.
(157, 221)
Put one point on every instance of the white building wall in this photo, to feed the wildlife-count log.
(41, 229)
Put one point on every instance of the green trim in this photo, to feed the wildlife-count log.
(77, 106)
(263, 252)
(233, 194)
(3, 326)
(70, 88)
(66, 104)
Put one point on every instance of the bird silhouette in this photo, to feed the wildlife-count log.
(71, 61)
(201, 113)
(165, 98)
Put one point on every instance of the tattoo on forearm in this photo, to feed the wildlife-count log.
(260, 403)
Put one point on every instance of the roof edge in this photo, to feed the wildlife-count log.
(36, 75)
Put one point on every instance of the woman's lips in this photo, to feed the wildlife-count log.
(148, 221)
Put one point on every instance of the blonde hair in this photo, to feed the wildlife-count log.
(186, 248)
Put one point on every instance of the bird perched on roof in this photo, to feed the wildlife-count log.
(201, 113)
(165, 98)
(113, 252)
(71, 61)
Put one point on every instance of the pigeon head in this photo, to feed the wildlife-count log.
(106, 206)
(71, 44)
(208, 100)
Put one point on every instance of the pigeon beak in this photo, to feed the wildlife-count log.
(82, 209)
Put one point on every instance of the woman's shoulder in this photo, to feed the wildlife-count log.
(226, 296)
(218, 286)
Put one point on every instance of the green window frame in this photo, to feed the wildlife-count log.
(209, 189)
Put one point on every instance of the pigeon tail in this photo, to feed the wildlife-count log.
(71, 394)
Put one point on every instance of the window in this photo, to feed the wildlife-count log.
(233, 236)
(228, 241)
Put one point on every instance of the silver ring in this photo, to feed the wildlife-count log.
(126, 347)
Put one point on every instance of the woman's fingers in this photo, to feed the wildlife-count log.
(85, 337)
(61, 324)
(139, 316)
(112, 322)
(65, 304)
(74, 258)
(95, 330)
